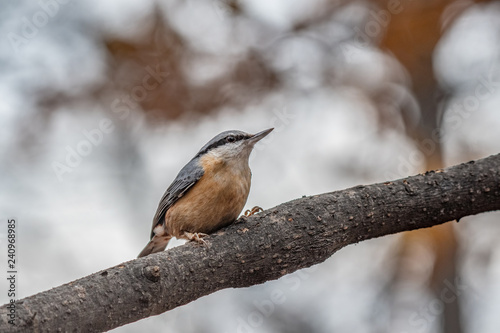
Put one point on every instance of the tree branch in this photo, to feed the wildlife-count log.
(278, 241)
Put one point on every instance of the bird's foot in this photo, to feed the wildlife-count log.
(196, 237)
(250, 212)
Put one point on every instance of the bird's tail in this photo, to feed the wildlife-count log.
(156, 244)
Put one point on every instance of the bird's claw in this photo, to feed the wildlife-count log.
(196, 237)
(254, 210)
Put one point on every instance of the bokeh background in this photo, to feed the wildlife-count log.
(102, 102)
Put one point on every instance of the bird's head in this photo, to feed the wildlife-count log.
(231, 146)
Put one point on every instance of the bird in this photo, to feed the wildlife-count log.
(208, 193)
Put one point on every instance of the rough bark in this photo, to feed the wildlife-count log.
(278, 241)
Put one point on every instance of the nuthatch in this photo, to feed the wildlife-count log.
(208, 193)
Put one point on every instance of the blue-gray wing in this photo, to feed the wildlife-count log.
(187, 177)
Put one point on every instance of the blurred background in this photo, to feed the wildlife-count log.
(102, 103)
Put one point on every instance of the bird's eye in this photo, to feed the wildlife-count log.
(230, 139)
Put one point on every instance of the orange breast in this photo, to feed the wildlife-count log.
(213, 202)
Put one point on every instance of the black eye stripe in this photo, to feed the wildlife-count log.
(222, 142)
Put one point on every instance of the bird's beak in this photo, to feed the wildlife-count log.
(259, 136)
